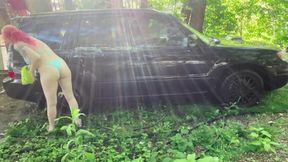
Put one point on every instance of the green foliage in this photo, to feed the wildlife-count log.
(272, 102)
(221, 141)
(25, 128)
(157, 134)
(260, 140)
(71, 128)
(192, 158)
(172, 6)
(181, 143)
(27, 139)
(256, 21)
(166, 134)
(77, 149)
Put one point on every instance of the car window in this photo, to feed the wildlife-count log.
(153, 31)
(50, 31)
(103, 33)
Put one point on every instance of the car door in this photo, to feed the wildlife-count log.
(104, 50)
(164, 63)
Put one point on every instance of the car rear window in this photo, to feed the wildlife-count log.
(50, 30)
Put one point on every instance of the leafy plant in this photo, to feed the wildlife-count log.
(192, 158)
(70, 129)
(76, 148)
(261, 24)
(180, 142)
(260, 140)
(163, 134)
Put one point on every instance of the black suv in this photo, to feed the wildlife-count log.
(139, 54)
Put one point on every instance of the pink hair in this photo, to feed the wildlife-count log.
(14, 35)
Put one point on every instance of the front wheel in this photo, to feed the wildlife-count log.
(244, 87)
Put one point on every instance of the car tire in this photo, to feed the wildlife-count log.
(244, 87)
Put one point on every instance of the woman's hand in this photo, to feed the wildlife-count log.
(33, 77)
(32, 73)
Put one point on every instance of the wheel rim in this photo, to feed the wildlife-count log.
(242, 89)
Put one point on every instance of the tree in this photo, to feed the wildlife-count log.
(69, 5)
(116, 3)
(36, 6)
(4, 15)
(4, 18)
(194, 12)
(144, 4)
(258, 22)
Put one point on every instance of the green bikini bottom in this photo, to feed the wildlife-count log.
(55, 63)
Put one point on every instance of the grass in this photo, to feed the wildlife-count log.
(163, 133)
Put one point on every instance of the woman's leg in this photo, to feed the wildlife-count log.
(66, 86)
(49, 82)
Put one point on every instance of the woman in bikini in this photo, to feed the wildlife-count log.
(52, 69)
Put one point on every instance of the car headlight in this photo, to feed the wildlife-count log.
(282, 55)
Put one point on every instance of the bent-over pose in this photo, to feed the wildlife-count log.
(52, 69)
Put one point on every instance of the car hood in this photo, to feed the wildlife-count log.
(242, 49)
(243, 45)
(247, 47)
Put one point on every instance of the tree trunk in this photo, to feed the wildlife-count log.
(69, 5)
(4, 14)
(36, 6)
(194, 12)
(116, 3)
(144, 4)
(4, 18)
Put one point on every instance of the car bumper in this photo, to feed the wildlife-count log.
(278, 82)
(16, 90)
(279, 78)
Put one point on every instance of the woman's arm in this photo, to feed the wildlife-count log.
(33, 57)
(29, 54)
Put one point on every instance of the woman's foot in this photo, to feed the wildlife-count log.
(51, 128)
(78, 122)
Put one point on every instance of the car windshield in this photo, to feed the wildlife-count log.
(199, 35)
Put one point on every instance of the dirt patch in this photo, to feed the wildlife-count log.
(13, 110)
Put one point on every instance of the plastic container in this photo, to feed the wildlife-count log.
(26, 76)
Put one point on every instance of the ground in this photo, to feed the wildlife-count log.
(12, 110)
(15, 110)
(270, 118)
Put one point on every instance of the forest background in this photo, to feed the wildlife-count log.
(256, 22)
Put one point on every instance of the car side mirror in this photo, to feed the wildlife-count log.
(215, 41)
(192, 40)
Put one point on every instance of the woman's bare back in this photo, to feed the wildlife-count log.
(48, 59)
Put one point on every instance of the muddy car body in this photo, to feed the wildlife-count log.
(135, 54)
